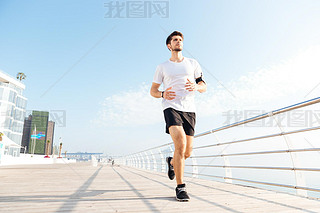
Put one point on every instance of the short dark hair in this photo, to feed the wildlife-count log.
(175, 33)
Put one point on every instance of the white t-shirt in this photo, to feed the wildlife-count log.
(175, 75)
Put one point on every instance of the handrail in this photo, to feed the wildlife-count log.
(264, 115)
(259, 153)
(157, 147)
(261, 137)
(255, 118)
(143, 158)
(259, 182)
(261, 167)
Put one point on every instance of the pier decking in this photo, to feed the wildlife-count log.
(81, 187)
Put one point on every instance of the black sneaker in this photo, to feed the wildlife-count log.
(171, 174)
(181, 193)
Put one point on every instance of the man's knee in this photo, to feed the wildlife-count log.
(181, 150)
(187, 154)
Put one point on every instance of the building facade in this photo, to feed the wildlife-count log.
(39, 125)
(12, 109)
(50, 134)
(37, 131)
(26, 134)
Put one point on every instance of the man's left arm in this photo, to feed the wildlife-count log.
(201, 86)
(197, 86)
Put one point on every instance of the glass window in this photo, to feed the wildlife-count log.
(21, 103)
(1, 92)
(12, 96)
(3, 109)
(18, 102)
(24, 104)
(18, 115)
(8, 123)
(10, 110)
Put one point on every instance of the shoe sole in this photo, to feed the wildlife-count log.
(182, 200)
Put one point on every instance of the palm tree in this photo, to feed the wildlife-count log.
(21, 76)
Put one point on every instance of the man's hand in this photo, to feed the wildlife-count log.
(169, 95)
(191, 86)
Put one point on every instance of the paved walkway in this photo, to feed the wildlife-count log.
(80, 187)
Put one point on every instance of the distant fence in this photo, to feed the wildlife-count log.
(293, 165)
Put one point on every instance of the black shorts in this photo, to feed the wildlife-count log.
(178, 118)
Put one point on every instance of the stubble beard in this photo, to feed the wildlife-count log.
(177, 49)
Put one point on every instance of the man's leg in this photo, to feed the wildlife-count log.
(180, 142)
(188, 147)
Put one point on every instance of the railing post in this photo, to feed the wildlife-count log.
(129, 161)
(139, 161)
(171, 150)
(227, 169)
(154, 161)
(148, 161)
(135, 161)
(163, 162)
(123, 161)
(195, 170)
(299, 176)
(143, 163)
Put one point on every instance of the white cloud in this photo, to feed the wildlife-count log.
(297, 75)
(130, 108)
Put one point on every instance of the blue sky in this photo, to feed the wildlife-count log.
(98, 70)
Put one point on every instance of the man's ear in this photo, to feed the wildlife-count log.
(169, 46)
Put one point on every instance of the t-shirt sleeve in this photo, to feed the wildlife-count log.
(158, 76)
(198, 71)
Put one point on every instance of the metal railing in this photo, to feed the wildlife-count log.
(154, 158)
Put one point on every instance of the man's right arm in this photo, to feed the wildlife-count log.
(167, 94)
(154, 91)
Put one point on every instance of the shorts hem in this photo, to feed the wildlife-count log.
(175, 117)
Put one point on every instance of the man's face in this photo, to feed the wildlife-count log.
(176, 43)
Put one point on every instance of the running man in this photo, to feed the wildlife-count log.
(181, 77)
